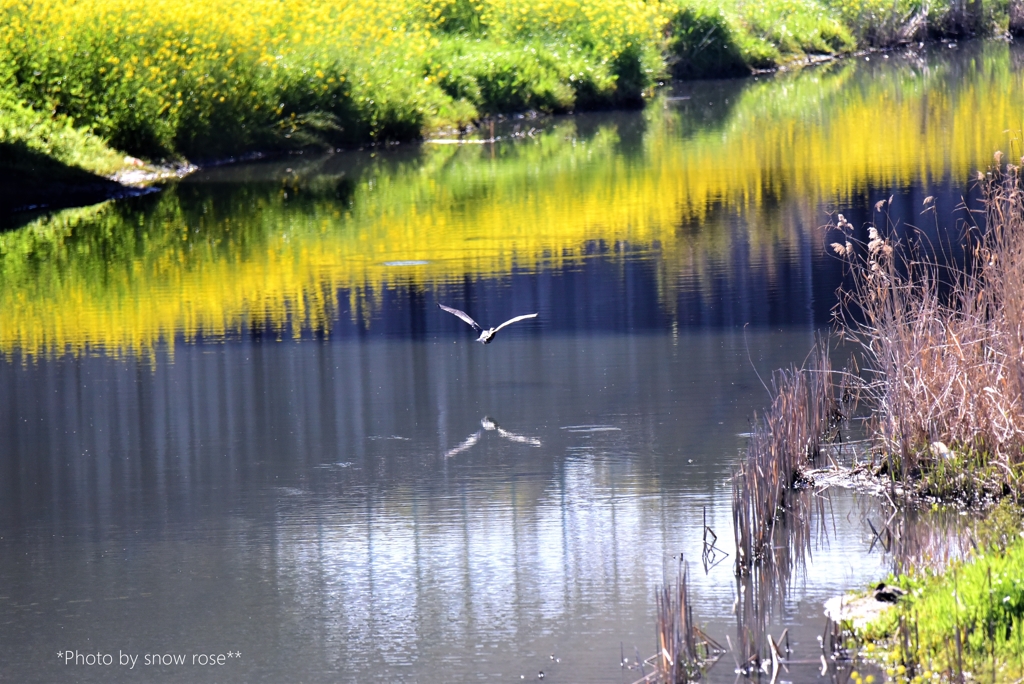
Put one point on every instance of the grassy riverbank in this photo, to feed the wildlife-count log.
(200, 80)
(938, 335)
(966, 623)
(47, 160)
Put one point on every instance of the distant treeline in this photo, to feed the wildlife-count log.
(167, 79)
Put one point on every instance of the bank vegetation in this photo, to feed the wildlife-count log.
(938, 336)
(167, 80)
(943, 343)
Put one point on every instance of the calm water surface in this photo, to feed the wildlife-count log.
(232, 419)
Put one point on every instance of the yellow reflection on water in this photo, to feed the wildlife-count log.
(212, 260)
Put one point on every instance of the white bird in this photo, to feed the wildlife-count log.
(485, 335)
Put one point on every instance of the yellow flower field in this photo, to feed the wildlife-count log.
(209, 77)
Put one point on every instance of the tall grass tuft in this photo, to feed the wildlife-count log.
(884, 23)
(784, 442)
(685, 652)
(944, 349)
(763, 586)
(772, 521)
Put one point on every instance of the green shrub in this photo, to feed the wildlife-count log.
(722, 41)
(503, 78)
(702, 44)
(461, 17)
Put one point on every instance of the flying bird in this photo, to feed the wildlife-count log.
(485, 335)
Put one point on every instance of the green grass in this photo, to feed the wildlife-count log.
(711, 40)
(494, 78)
(26, 134)
(966, 622)
(966, 476)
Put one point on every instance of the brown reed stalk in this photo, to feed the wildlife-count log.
(684, 650)
(785, 440)
(771, 521)
(943, 345)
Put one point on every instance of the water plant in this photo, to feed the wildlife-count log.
(785, 441)
(943, 347)
(684, 652)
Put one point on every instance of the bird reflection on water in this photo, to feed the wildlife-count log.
(488, 425)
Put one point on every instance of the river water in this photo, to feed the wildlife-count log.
(236, 429)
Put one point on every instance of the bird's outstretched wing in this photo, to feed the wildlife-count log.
(461, 314)
(514, 320)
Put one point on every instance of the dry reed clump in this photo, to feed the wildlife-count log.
(685, 652)
(762, 587)
(943, 347)
(804, 413)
